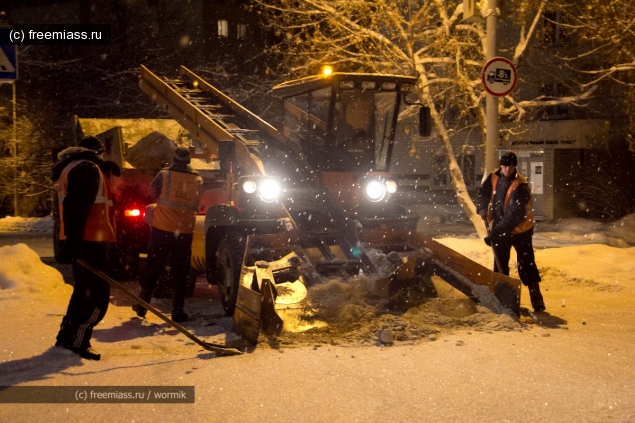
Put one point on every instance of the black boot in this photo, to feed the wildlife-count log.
(178, 299)
(63, 344)
(535, 296)
(87, 353)
(138, 308)
(179, 316)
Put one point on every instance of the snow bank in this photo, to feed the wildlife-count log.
(578, 231)
(26, 224)
(24, 275)
(591, 264)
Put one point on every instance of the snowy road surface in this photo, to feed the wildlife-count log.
(575, 365)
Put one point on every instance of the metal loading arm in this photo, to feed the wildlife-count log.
(199, 112)
(255, 122)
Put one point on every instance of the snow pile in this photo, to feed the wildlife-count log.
(26, 224)
(343, 313)
(24, 275)
(154, 151)
(620, 233)
(598, 267)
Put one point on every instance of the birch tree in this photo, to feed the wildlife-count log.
(609, 29)
(25, 157)
(428, 39)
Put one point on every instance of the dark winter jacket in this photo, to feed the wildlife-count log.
(504, 221)
(83, 184)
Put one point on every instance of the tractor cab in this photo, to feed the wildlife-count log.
(344, 126)
(344, 121)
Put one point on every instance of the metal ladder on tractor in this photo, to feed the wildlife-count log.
(210, 116)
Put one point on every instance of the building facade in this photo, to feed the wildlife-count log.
(559, 146)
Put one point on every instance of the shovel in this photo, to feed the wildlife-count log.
(496, 260)
(511, 299)
(219, 349)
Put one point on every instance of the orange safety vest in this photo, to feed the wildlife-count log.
(100, 226)
(528, 223)
(178, 202)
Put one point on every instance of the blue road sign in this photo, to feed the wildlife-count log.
(8, 63)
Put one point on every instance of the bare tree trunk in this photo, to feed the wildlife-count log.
(462, 195)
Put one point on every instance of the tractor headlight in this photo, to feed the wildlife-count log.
(375, 191)
(269, 190)
(391, 186)
(250, 186)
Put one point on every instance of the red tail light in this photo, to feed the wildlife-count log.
(132, 213)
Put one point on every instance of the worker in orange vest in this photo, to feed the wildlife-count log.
(504, 202)
(178, 190)
(87, 227)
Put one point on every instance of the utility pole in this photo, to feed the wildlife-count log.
(15, 151)
(491, 101)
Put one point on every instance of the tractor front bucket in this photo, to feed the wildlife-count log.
(270, 282)
(276, 270)
(420, 254)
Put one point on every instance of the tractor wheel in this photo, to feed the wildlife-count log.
(229, 262)
(211, 245)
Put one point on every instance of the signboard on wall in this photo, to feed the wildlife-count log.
(561, 134)
(536, 177)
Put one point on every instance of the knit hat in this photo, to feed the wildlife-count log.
(92, 143)
(181, 155)
(509, 159)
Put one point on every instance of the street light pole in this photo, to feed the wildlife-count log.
(491, 101)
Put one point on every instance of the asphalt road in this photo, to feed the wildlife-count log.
(40, 242)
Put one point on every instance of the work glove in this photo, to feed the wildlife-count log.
(495, 237)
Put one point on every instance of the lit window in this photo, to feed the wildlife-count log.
(241, 30)
(223, 28)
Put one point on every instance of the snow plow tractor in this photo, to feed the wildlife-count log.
(314, 199)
